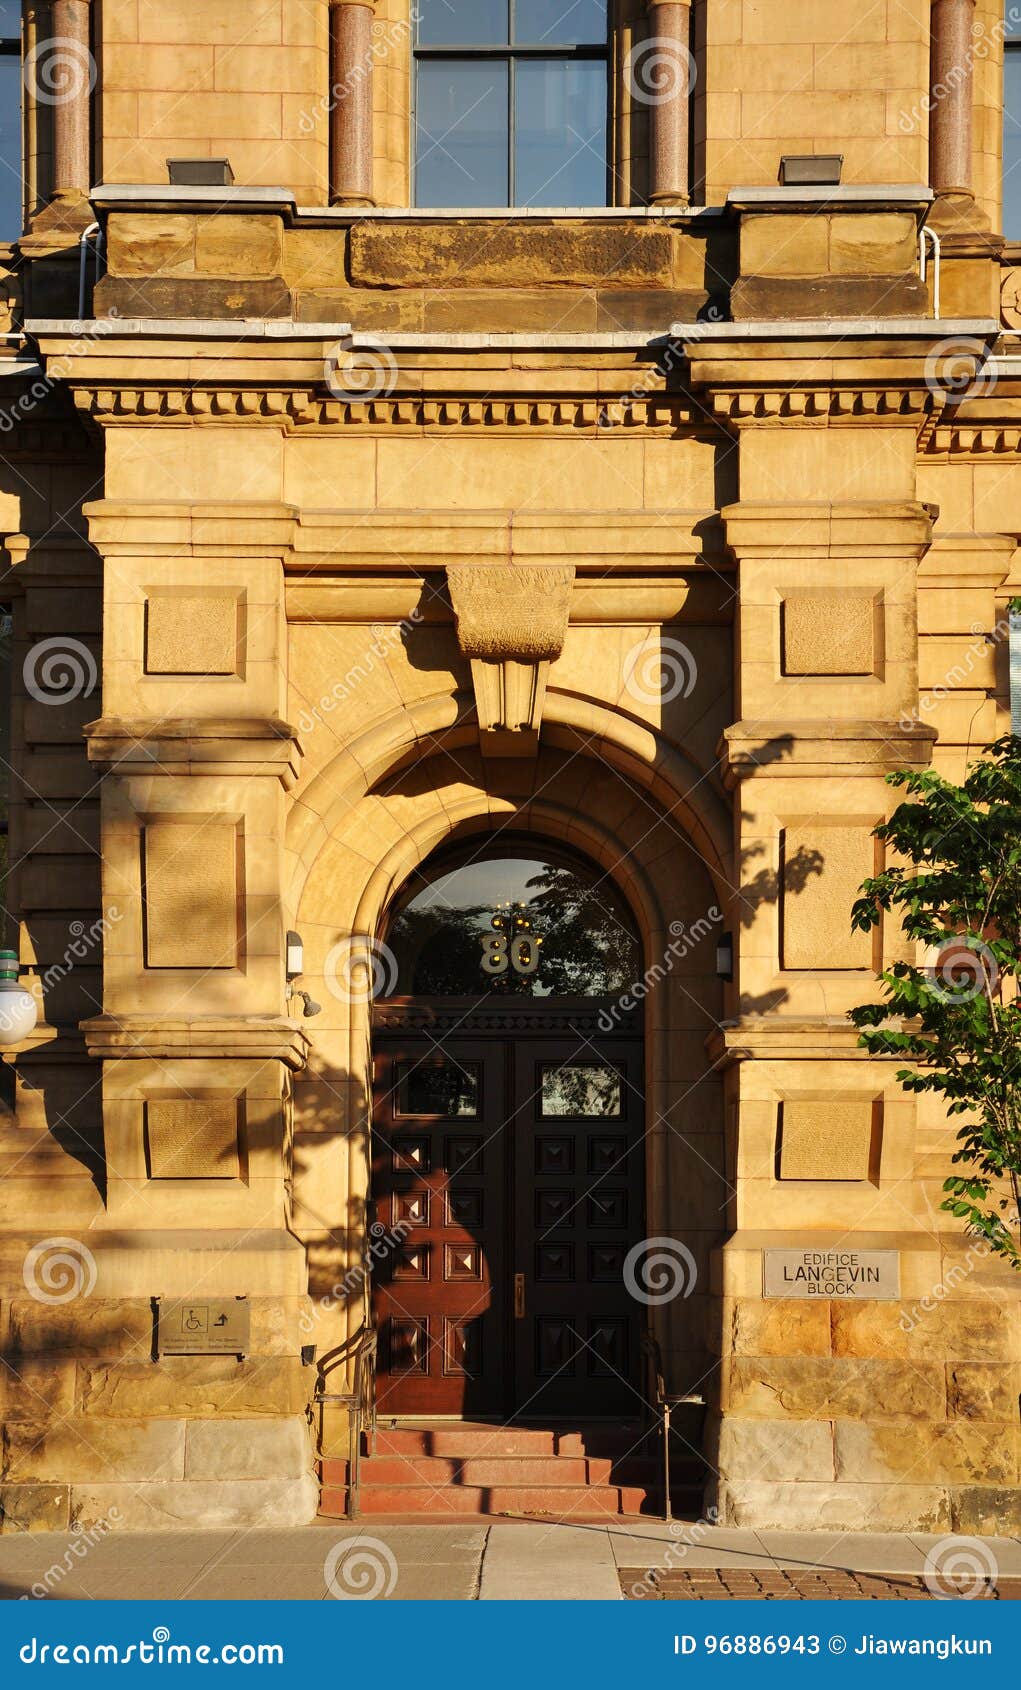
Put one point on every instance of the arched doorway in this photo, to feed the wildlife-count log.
(508, 1163)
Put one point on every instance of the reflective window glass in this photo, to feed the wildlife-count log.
(514, 924)
(447, 1089)
(10, 148)
(462, 123)
(560, 22)
(581, 1091)
(1012, 141)
(560, 132)
(463, 23)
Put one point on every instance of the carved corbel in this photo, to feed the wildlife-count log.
(511, 624)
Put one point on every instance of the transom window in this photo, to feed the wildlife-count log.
(512, 922)
(10, 120)
(511, 102)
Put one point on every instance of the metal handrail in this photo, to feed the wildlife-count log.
(360, 1402)
(665, 1402)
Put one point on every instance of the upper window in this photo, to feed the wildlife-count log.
(512, 922)
(511, 100)
(10, 119)
(1012, 122)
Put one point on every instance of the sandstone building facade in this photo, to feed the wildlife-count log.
(496, 508)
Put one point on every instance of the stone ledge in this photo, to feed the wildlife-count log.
(269, 1038)
(186, 1504)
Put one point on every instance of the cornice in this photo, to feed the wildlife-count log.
(195, 747)
(161, 1038)
(782, 1038)
(820, 749)
(303, 409)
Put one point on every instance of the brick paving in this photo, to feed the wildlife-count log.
(713, 1584)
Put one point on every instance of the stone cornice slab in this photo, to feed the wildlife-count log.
(852, 530)
(819, 750)
(161, 1038)
(195, 747)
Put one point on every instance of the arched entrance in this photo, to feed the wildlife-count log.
(508, 1158)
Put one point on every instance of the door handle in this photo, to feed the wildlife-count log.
(519, 1296)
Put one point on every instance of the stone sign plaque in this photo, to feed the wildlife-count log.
(205, 1329)
(865, 1275)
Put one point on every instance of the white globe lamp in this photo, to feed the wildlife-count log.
(19, 1011)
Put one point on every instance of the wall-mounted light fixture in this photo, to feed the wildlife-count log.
(725, 956)
(200, 173)
(295, 956)
(811, 170)
(19, 1011)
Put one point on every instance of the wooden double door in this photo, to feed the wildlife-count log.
(508, 1188)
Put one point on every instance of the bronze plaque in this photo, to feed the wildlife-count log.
(205, 1328)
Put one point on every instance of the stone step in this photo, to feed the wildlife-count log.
(461, 1440)
(556, 1501)
(510, 1470)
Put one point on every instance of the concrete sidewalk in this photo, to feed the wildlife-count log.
(478, 1561)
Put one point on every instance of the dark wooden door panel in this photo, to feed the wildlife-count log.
(439, 1148)
(515, 1171)
(578, 1180)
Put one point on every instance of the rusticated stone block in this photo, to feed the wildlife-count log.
(191, 296)
(775, 1328)
(243, 247)
(474, 255)
(983, 1391)
(71, 1451)
(233, 1503)
(984, 1511)
(888, 1330)
(811, 1388)
(247, 1449)
(835, 1507)
(34, 1508)
(36, 1391)
(795, 245)
(876, 243)
(144, 244)
(798, 298)
(772, 1450)
(948, 1454)
(982, 1332)
(89, 1326)
(197, 1387)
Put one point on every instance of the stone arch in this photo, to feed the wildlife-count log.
(578, 800)
(446, 723)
